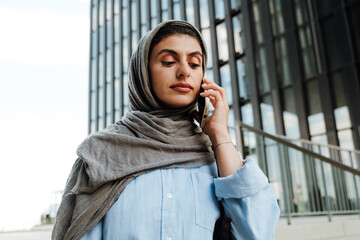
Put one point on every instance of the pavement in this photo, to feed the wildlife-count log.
(42, 232)
(344, 227)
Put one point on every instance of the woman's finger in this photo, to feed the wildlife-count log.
(215, 94)
(212, 85)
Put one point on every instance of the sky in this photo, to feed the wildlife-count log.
(44, 50)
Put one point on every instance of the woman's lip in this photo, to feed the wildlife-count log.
(181, 89)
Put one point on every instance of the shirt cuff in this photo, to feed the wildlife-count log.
(246, 181)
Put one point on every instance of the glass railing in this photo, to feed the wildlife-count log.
(308, 179)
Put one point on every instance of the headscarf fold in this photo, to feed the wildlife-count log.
(147, 138)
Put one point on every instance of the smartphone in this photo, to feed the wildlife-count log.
(203, 106)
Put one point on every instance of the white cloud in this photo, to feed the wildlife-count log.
(37, 37)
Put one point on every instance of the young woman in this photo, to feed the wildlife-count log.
(155, 174)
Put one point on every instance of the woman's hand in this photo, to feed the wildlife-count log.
(216, 124)
(228, 160)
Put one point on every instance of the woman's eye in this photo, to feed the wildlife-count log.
(167, 63)
(194, 65)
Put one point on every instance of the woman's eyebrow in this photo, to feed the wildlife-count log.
(176, 54)
(168, 51)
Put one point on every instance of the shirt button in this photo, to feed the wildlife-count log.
(169, 195)
(168, 238)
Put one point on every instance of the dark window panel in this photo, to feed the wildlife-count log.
(93, 75)
(125, 50)
(277, 21)
(226, 82)
(117, 60)
(94, 45)
(231, 119)
(153, 22)
(244, 85)
(118, 94)
(101, 40)
(125, 89)
(223, 50)
(124, 3)
(210, 74)
(267, 114)
(177, 11)
(134, 15)
(165, 15)
(190, 17)
(117, 6)
(116, 29)
(108, 34)
(342, 118)
(207, 38)
(282, 62)
(109, 10)
(204, 14)
(108, 119)
(291, 121)
(124, 21)
(329, 41)
(118, 115)
(93, 105)
(239, 39)
(93, 126)
(235, 4)
(153, 8)
(316, 119)
(101, 123)
(164, 4)
(301, 12)
(354, 20)
(101, 12)
(143, 29)
(101, 102)
(247, 115)
(256, 22)
(261, 70)
(219, 9)
(134, 41)
(94, 19)
(108, 65)
(101, 70)
(143, 11)
(307, 52)
(338, 89)
(314, 105)
(109, 107)
(325, 7)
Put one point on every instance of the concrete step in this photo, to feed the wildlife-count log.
(319, 228)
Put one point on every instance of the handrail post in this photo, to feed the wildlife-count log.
(288, 199)
(239, 139)
(355, 184)
(326, 194)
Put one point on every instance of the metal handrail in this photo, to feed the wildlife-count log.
(301, 149)
(319, 144)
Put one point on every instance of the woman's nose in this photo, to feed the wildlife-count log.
(183, 71)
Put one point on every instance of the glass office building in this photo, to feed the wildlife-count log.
(289, 67)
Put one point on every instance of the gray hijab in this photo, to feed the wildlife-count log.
(147, 138)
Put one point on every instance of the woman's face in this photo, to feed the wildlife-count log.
(176, 70)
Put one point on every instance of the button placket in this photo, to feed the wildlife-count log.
(168, 208)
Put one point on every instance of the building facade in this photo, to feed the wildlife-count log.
(289, 67)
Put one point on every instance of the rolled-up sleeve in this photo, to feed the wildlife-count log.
(249, 202)
(246, 181)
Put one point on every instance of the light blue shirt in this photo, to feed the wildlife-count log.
(181, 203)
